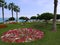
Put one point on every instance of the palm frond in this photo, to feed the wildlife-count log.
(16, 9)
(11, 6)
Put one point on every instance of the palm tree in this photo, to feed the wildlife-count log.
(55, 11)
(16, 9)
(11, 7)
(3, 5)
(2, 1)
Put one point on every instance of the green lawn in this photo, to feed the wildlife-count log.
(50, 38)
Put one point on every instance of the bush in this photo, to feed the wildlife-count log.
(11, 18)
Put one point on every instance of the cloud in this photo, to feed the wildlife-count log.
(24, 1)
(32, 7)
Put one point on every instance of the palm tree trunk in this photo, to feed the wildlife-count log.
(3, 13)
(16, 16)
(12, 13)
(55, 11)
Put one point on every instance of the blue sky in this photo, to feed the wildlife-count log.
(30, 8)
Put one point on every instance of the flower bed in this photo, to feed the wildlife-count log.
(12, 22)
(22, 35)
(2, 26)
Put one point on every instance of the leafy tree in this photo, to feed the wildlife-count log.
(38, 14)
(24, 18)
(11, 7)
(58, 16)
(11, 19)
(39, 17)
(33, 17)
(16, 9)
(3, 5)
(46, 16)
(54, 17)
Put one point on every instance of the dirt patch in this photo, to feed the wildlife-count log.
(3, 25)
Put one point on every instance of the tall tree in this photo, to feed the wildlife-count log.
(16, 9)
(24, 18)
(54, 18)
(46, 16)
(11, 7)
(58, 16)
(34, 18)
(3, 5)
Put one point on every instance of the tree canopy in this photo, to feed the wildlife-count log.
(33, 17)
(46, 16)
(58, 16)
(11, 18)
(24, 18)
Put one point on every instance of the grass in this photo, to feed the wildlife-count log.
(50, 38)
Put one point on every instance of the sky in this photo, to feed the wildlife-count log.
(30, 8)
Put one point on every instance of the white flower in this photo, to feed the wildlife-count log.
(7, 35)
(2, 36)
(30, 39)
(16, 38)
